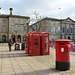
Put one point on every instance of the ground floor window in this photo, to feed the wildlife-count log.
(24, 38)
(19, 38)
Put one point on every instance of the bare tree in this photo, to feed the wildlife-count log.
(37, 18)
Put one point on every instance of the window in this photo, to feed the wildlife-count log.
(24, 37)
(4, 28)
(63, 29)
(49, 29)
(13, 20)
(54, 29)
(19, 28)
(4, 21)
(71, 30)
(13, 28)
(58, 29)
(19, 21)
(67, 30)
(24, 28)
(24, 21)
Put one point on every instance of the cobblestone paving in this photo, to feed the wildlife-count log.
(19, 63)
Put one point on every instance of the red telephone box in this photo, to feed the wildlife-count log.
(27, 43)
(44, 43)
(62, 54)
(34, 43)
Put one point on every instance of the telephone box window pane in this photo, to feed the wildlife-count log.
(45, 44)
(30, 45)
(35, 44)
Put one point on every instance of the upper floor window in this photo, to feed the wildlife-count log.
(24, 28)
(4, 21)
(19, 28)
(67, 30)
(63, 29)
(74, 30)
(19, 21)
(24, 21)
(71, 30)
(54, 29)
(58, 29)
(13, 20)
(4, 28)
(13, 28)
(49, 29)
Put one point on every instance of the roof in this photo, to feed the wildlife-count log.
(17, 16)
(53, 19)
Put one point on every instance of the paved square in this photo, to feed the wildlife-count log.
(20, 63)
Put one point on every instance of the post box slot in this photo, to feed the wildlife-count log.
(61, 43)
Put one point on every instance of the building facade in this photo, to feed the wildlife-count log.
(57, 28)
(13, 27)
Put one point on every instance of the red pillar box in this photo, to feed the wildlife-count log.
(62, 54)
(27, 43)
(44, 43)
(34, 43)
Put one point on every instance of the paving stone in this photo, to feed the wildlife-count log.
(18, 63)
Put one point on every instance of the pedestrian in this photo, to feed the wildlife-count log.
(10, 44)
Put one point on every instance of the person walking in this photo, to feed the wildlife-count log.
(9, 44)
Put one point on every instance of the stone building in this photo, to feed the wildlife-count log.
(13, 26)
(57, 28)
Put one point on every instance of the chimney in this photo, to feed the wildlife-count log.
(10, 10)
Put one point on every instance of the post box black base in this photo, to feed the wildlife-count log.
(62, 66)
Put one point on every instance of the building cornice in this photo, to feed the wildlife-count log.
(14, 16)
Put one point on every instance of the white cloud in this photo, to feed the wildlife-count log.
(3, 12)
(48, 8)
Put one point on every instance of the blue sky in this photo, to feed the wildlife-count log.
(45, 8)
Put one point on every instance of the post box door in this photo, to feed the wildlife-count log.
(63, 52)
(35, 44)
(45, 44)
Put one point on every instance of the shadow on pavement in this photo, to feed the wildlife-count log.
(12, 55)
(40, 72)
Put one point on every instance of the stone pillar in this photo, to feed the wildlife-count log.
(65, 29)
